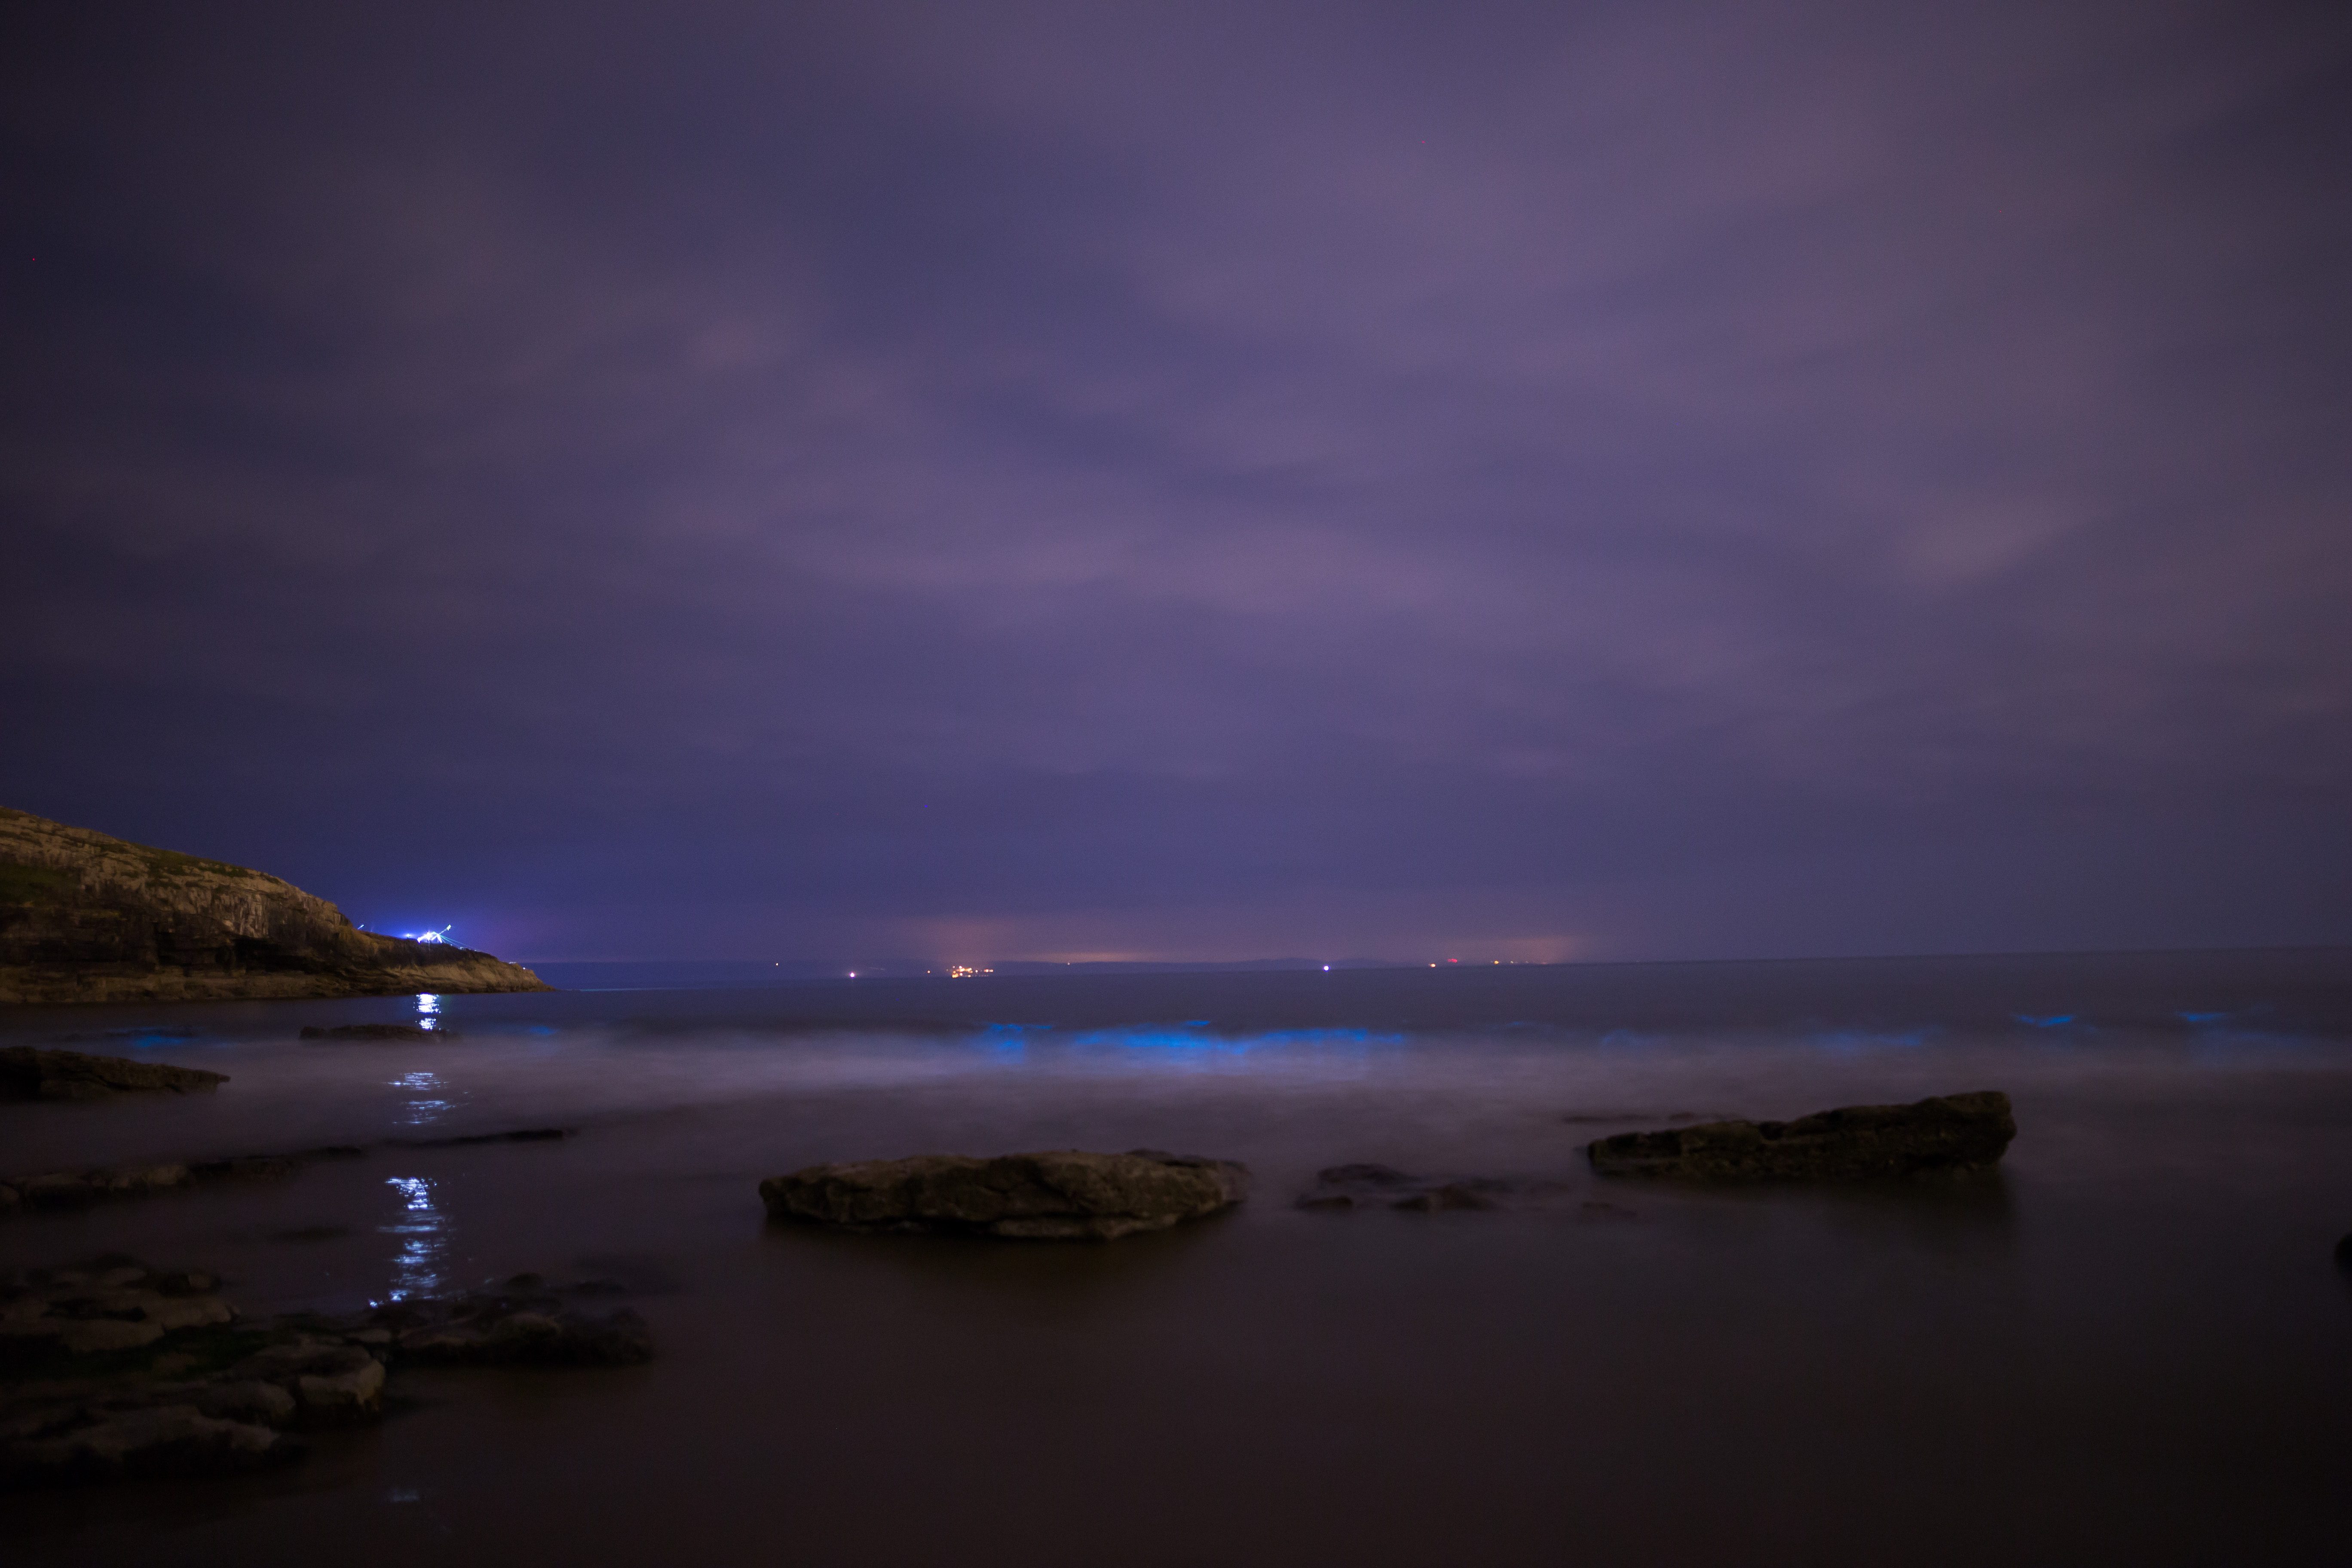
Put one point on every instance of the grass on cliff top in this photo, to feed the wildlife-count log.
(168, 863)
(172, 863)
(37, 884)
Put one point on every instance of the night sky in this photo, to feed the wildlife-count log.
(986, 480)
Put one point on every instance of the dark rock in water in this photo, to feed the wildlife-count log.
(1947, 1133)
(520, 1135)
(1364, 1186)
(2343, 1254)
(1447, 1196)
(77, 1445)
(87, 918)
(112, 1369)
(69, 1189)
(28, 1073)
(526, 1322)
(1064, 1195)
(412, 1033)
(99, 1359)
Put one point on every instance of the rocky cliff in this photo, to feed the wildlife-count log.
(86, 918)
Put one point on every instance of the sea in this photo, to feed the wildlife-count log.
(2132, 1345)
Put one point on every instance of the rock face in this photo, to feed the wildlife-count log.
(26, 1073)
(1065, 1195)
(1947, 1133)
(86, 918)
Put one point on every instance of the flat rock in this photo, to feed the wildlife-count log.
(1947, 1134)
(70, 1189)
(110, 1370)
(524, 1322)
(1063, 1194)
(28, 1072)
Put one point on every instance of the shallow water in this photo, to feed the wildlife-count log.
(2132, 1345)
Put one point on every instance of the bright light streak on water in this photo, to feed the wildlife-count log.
(427, 1105)
(428, 1010)
(423, 1239)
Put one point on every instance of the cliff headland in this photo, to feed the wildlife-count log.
(86, 918)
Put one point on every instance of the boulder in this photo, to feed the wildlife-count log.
(28, 1072)
(1063, 1194)
(1944, 1134)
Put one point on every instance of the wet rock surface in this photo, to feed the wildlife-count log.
(29, 1072)
(110, 1370)
(1065, 1195)
(1343, 1187)
(526, 1321)
(1945, 1134)
(72, 1189)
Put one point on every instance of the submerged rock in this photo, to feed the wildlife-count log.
(525, 1323)
(28, 1072)
(1947, 1134)
(520, 1135)
(1385, 1186)
(69, 1444)
(1064, 1195)
(71, 1189)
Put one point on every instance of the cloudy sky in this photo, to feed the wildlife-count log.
(991, 480)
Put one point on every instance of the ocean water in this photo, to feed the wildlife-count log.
(2133, 1345)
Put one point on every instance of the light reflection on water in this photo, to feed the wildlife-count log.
(428, 1010)
(427, 1106)
(423, 1230)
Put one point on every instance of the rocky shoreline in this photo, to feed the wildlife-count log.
(110, 1370)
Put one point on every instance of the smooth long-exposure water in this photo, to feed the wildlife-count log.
(2133, 1345)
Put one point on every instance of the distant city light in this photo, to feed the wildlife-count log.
(1326, 969)
(965, 970)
